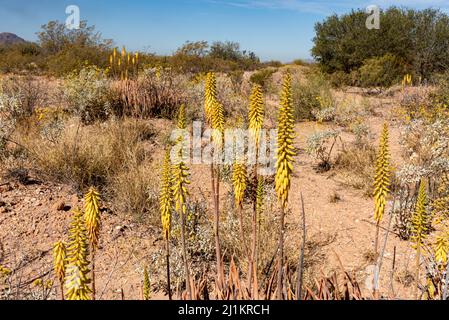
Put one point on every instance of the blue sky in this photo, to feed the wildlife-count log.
(274, 29)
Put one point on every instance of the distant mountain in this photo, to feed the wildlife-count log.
(7, 38)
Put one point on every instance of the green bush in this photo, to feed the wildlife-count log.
(300, 62)
(419, 37)
(262, 77)
(381, 72)
(313, 99)
(75, 58)
(441, 94)
(21, 57)
(340, 79)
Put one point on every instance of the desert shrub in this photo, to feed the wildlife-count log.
(30, 92)
(262, 77)
(236, 79)
(87, 155)
(19, 96)
(340, 79)
(413, 103)
(88, 94)
(152, 94)
(73, 58)
(426, 147)
(361, 132)
(381, 72)
(9, 112)
(273, 63)
(21, 57)
(135, 192)
(320, 145)
(426, 154)
(440, 97)
(312, 97)
(356, 164)
(300, 62)
(200, 56)
(234, 103)
(350, 112)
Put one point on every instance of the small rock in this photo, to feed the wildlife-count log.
(59, 206)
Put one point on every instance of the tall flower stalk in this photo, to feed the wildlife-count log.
(166, 206)
(214, 114)
(93, 225)
(420, 222)
(239, 178)
(180, 181)
(284, 167)
(256, 115)
(381, 182)
(77, 272)
(59, 262)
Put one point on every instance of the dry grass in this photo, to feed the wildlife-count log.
(114, 156)
(356, 166)
(150, 96)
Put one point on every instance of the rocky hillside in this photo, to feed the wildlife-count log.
(7, 38)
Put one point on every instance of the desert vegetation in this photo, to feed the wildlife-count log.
(100, 197)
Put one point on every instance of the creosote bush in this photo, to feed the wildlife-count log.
(312, 97)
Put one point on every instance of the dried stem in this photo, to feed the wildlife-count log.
(418, 260)
(184, 254)
(215, 191)
(303, 247)
(280, 279)
(167, 258)
(93, 273)
(381, 257)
